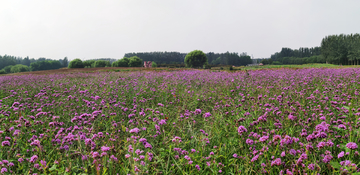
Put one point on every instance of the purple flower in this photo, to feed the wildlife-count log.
(105, 148)
(249, 141)
(43, 163)
(197, 167)
(20, 160)
(341, 154)
(5, 143)
(95, 154)
(255, 158)
(283, 154)
(127, 155)
(241, 129)
(136, 130)
(277, 162)
(291, 117)
(351, 145)
(3, 170)
(33, 158)
(207, 114)
(263, 138)
(197, 111)
(235, 155)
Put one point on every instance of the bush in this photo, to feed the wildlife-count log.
(135, 62)
(153, 64)
(276, 63)
(124, 62)
(7, 69)
(45, 65)
(19, 68)
(2, 71)
(195, 59)
(77, 63)
(231, 68)
(89, 63)
(206, 66)
(102, 63)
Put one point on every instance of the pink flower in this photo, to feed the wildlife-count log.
(241, 129)
(136, 130)
(351, 145)
(105, 148)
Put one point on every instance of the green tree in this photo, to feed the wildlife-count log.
(76, 63)
(153, 64)
(124, 62)
(135, 62)
(89, 63)
(19, 68)
(102, 63)
(195, 59)
(65, 62)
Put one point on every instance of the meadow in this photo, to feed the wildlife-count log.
(267, 121)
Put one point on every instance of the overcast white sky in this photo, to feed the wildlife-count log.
(89, 29)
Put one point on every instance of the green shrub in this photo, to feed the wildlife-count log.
(77, 63)
(102, 63)
(2, 71)
(276, 63)
(19, 68)
(89, 63)
(7, 69)
(124, 62)
(135, 62)
(206, 66)
(153, 64)
(195, 59)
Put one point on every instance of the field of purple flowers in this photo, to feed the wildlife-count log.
(283, 121)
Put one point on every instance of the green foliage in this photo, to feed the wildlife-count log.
(7, 69)
(124, 62)
(277, 63)
(206, 66)
(76, 63)
(195, 59)
(267, 61)
(45, 65)
(65, 62)
(341, 49)
(102, 63)
(135, 62)
(19, 68)
(216, 61)
(153, 64)
(2, 71)
(89, 63)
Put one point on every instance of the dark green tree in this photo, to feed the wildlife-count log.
(76, 63)
(195, 59)
(65, 62)
(102, 63)
(135, 62)
(124, 62)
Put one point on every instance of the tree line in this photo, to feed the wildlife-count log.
(12, 64)
(162, 58)
(341, 49)
(303, 55)
(335, 49)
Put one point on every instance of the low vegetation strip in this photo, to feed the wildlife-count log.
(181, 122)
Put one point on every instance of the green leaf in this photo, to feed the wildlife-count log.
(335, 165)
(52, 168)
